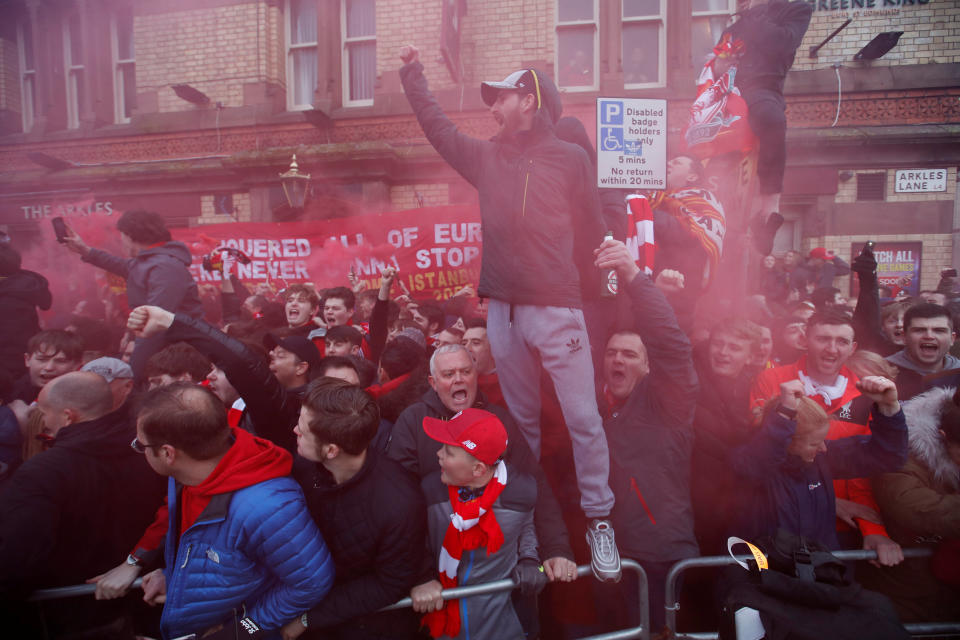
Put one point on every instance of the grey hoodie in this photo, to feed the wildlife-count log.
(157, 276)
(903, 361)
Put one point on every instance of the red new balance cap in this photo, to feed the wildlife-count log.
(478, 432)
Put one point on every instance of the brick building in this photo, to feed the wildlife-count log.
(194, 107)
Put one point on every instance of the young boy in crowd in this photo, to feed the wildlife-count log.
(492, 507)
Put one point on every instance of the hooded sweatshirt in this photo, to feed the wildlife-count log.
(911, 379)
(250, 460)
(157, 276)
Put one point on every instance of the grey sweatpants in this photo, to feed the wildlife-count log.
(557, 338)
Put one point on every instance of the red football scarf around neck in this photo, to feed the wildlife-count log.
(472, 525)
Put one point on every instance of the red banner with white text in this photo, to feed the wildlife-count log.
(436, 250)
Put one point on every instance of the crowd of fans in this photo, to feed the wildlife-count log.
(289, 463)
(780, 421)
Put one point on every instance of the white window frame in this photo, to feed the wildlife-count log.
(577, 24)
(728, 12)
(661, 19)
(71, 71)
(345, 57)
(291, 80)
(28, 81)
(119, 88)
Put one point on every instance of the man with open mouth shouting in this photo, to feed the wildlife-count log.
(928, 333)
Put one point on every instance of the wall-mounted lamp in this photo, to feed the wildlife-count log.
(295, 185)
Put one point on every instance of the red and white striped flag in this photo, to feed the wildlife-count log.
(640, 239)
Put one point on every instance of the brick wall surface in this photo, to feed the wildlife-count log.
(931, 33)
(214, 50)
(937, 253)
(241, 210)
(498, 36)
(9, 76)
(405, 196)
(847, 189)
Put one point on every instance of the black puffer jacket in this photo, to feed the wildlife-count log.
(20, 295)
(538, 199)
(158, 276)
(76, 510)
(375, 525)
(414, 449)
(771, 34)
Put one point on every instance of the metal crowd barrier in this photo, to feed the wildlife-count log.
(673, 604)
(641, 631)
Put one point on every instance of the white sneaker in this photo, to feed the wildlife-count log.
(604, 557)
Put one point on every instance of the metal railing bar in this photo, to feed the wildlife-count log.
(672, 603)
(641, 631)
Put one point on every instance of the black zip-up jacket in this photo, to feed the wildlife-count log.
(414, 449)
(375, 525)
(538, 200)
(20, 295)
(651, 438)
(75, 510)
(271, 409)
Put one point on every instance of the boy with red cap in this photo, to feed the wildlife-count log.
(477, 501)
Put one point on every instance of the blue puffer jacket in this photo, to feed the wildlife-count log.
(253, 550)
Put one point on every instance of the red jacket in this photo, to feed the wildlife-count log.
(849, 416)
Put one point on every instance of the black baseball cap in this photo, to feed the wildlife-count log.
(300, 346)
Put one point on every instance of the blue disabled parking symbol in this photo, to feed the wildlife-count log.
(611, 138)
(611, 112)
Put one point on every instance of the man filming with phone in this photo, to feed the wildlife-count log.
(154, 266)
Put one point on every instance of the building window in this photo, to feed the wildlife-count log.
(710, 18)
(28, 76)
(644, 43)
(124, 67)
(359, 30)
(871, 186)
(74, 68)
(301, 28)
(577, 52)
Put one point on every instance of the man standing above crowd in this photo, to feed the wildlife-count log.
(155, 268)
(68, 513)
(541, 219)
(765, 37)
(827, 380)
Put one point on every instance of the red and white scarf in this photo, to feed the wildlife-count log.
(472, 525)
(640, 240)
(235, 412)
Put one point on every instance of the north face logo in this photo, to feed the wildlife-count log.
(574, 345)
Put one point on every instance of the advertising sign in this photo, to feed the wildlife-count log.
(898, 266)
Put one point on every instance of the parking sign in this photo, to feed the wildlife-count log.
(631, 143)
